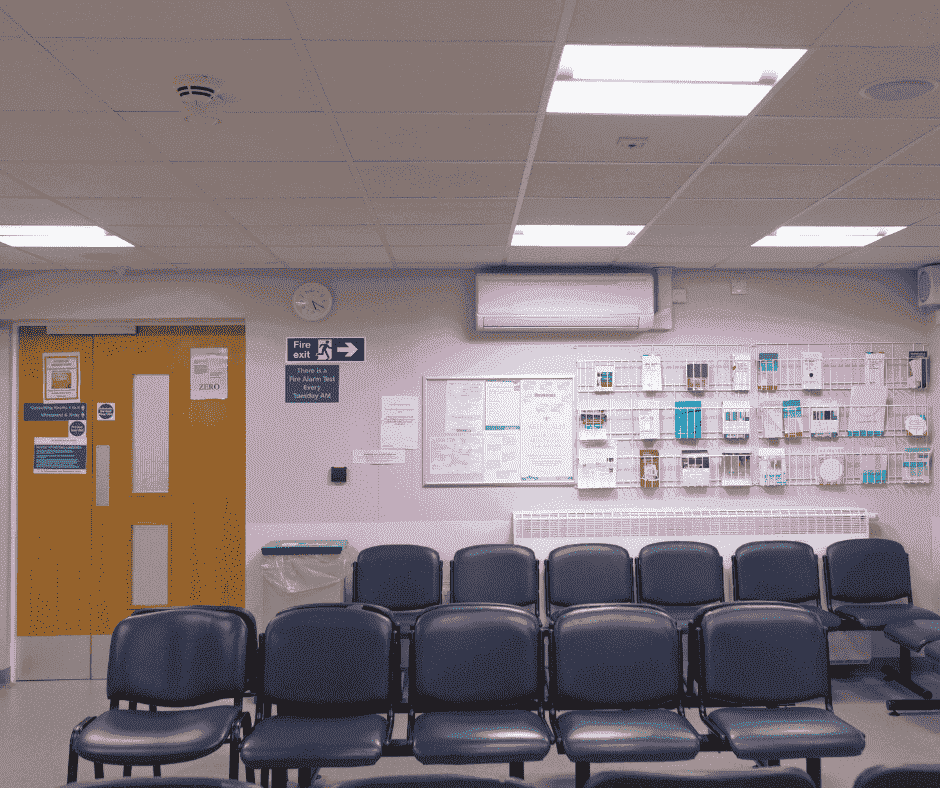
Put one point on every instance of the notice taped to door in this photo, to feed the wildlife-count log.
(61, 455)
(60, 377)
(208, 373)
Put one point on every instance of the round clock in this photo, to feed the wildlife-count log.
(312, 301)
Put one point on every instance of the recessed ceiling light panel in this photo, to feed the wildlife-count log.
(825, 236)
(54, 235)
(574, 234)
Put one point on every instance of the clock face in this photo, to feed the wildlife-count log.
(312, 301)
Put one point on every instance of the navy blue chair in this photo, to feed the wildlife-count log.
(505, 574)
(433, 781)
(331, 670)
(618, 669)
(177, 658)
(924, 775)
(581, 574)
(780, 571)
(864, 580)
(403, 578)
(756, 661)
(477, 686)
(777, 777)
(915, 635)
(680, 577)
(165, 782)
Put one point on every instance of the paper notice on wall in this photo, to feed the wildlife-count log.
(502, 404)
(501, 457)
(61, 377)
(208, 373)
(547, 445)
(400, 423)
(463, 406)
(457, 454)
(61, 455)
(378, 457)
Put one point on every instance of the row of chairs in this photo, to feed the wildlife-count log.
(864, 580)
(913, 776)
(476, 694)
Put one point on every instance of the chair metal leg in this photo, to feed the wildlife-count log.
(156, 770)
(773, 762)
(127, 770)
(71, 776)
(903, 676)
(99, 770)
(264, 778)
(516, 769)
(249, 775)
(582, 771)
(304, 777)
(278, 778)
(814, 770)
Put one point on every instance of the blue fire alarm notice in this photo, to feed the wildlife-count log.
(311, 383)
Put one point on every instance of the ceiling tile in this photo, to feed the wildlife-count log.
(775, 254)
(569, 254)
(384, 76)
(754, 181)
(317, 256)
(731, 264)
(888, 255)
(924, 151)
(310, 210)
(101, 258)
(868, 213)
(828, 81)
(10, 256)
(257, 76)
(676, 255)
(428, 20)
(148, 212)
(568, 137)
(101, 180)
(675, 235)
(213, 257)
(436, 137)
(111, 19)
(447, 235)
(437, 264)
(273, 179)
(328, 235)
(731, 212)
(181, 235)
(468, 255)
(10, 188)
(846, 141)
(920, 235)
(32, 80)
(716, 23)
(67, 136)
(588, 210)
(241, 136)
(876, 23)
(897, 181)
(441, 180)
(606, 180)
(37, 211)
(443, 211)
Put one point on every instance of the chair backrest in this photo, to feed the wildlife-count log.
(398, 576)
(867, 570)
(770, 777)
(760, 654)
(584, 573)
(500, 573)
(921, 775)
(476, 656)
(164, 782)
(616, 656)
(331, 660)
(679, 574)
(178, 657)
(776, 570)
(433, 781)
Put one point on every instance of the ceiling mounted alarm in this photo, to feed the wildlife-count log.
(201, 97)
(312, 301)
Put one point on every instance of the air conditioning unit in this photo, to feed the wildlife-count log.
(928, 286)
(565, 302)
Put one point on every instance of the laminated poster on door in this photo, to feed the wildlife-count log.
(208, 377)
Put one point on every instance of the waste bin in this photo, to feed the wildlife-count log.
(302, 572)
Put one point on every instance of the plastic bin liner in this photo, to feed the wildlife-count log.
(292, 574)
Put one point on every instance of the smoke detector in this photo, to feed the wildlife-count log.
(899, 90)
(201, 98)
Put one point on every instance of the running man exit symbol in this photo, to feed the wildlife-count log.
(324, 349)
(307, 349)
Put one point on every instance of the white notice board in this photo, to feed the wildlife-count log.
(501, 429)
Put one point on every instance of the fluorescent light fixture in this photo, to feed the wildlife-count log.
(54, 235)
(574, 234)
(636, 80)
(825, 236)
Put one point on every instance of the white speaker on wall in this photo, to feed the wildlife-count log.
(928, 286)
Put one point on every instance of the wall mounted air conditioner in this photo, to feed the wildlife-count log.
(565, 302)
(928, 286)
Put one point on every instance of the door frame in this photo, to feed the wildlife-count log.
(60, 326)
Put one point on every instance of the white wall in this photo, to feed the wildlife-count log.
(418, 323)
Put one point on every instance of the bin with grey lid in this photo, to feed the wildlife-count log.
(301, 572)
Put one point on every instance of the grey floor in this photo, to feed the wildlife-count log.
(36, 718)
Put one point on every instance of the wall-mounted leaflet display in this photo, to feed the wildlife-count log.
(812, 370)
(768, 372)
(867, 411)
(916, 465)
(695, 468)
(741, 372)
(792, 419)
(736, 419)
(830, 468)
(696, 375)
(604, 377)
(649, 468)
(735, 468)
(824, 419)
(874, 466)
(513, 429)
(652, 373)
(917, 369)
(646, 420)
(597, 467)
(771, 467)
(688, 420)
(592, 424)
(772, 418)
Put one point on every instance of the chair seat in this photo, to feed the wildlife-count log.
(143, 738)
(635, 735)
(309, 743)
(787, 732)
(932, 651)
(827, 619)
(463, 737)
(915, 633)
(879, 616)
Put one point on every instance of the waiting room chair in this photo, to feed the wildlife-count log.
(680, 577)
(477, 687)
(864, 578)
(165, 782)
(916, 635)
(497, 573)
(581, 574)
(923, 775)
(776, 777)
(756, 660)
(433, 781)
(618, 668)
(780, 571)
(403, 578)
(331, 669)
(177, 657)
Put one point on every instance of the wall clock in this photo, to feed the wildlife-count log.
(312, 301)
